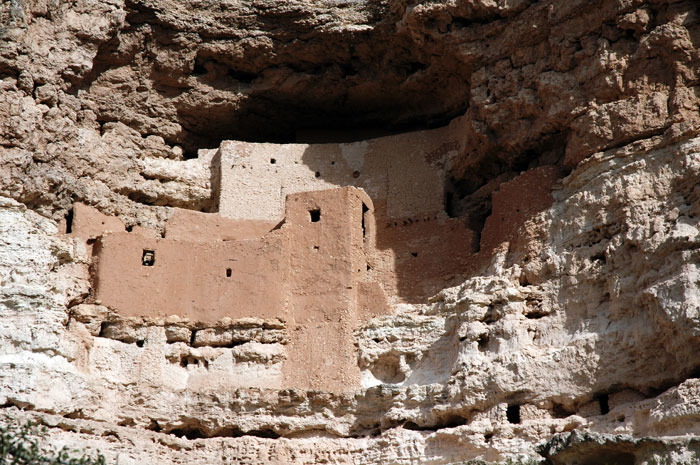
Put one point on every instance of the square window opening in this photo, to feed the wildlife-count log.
(148, 258)
(315, 215)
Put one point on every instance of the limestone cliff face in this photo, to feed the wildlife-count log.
(572, 338)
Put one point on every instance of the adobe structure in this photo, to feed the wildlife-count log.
(405, 176)
(289, 242)
(310, 272)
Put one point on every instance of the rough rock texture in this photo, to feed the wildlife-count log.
(576, 341)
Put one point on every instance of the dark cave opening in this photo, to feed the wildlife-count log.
(69, 221)
(206, 127)
(604, 404)
(513, 414)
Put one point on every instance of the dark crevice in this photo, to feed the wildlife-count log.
(241, 76)
(190, 154)
(637, 137)
(196, 432)
(449, 204)
(235, 344)
(483, 342)
(74, 415)
(469, 187)
(464, 23)
(219, 74)
(491, 316)
(603, 403)
(18, 404)
(139, 197)
(365, 209)
(188, 433)
(534, 311)
(198, 69)
(449, 421)
(137, 13)
(559, 411)
(69, 221)
(153, 426)
(187, 360)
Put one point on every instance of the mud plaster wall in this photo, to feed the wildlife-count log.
(203, 281)
(309, 273)
(327, 264)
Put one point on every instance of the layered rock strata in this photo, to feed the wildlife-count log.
(553, 332)
(574, 336)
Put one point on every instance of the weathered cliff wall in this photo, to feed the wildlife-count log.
(578, 165)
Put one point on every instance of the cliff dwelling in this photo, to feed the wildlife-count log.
(310, 272)
(351, 232)
(288, 243)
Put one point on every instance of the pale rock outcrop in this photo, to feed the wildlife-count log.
(576, 339)
(592, 303)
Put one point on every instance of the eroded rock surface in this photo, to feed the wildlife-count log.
(575, 338)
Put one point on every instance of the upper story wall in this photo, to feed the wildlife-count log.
(196, 226)
(329, 248)
(419, 249)
(403, 174)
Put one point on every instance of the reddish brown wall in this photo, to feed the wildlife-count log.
(323, 278)
(327, 264)
(405, 176)
(190, 225)
(430, 253)
(190, 278)
(515, 202)
(311, 274)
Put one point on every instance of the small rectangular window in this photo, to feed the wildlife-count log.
(148, 258)
(315, 215)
